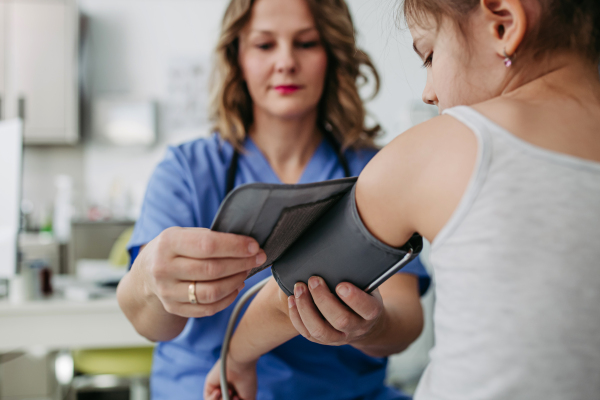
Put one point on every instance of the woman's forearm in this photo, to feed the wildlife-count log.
(264, 326)
(145, 311)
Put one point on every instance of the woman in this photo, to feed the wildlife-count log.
(506, 186)
(287, 109)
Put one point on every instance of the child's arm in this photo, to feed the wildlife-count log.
(388, 324)
(264, 326)
(413, 185)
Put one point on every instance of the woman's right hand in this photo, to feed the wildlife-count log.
(217, 262)
(154, 294)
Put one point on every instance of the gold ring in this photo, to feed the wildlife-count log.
(192, 293)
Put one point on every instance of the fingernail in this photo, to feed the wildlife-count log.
(253, 248)
(261, 258)
(343, 291)
(313, 282)
(291, 302)
(298, 290)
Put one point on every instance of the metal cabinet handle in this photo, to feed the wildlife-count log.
(22, 108)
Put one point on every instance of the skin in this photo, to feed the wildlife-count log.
(554, 105)
(153, 294)
(279, 46)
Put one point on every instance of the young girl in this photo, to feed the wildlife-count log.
(506, 186)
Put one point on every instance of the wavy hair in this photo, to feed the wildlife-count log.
(340, 111)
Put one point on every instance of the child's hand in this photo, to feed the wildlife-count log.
(241, 379)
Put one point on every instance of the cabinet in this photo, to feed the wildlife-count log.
(38, 68)
(2, 60)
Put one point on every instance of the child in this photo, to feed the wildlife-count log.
(508, 192)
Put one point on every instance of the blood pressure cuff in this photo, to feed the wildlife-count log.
(312, 229)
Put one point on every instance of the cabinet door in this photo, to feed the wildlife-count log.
(38, 60)
(2, 60)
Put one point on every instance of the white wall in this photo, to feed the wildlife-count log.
(133, 42)
(399, 105)
(132, 46)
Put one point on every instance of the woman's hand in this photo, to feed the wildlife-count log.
(241, 380)
(154, 294)
(218, 263)
(321, 317)
(379, 324)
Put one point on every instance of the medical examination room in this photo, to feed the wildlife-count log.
(296, 199)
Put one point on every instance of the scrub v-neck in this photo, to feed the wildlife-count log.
(312, 170)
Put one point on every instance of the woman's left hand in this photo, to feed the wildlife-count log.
(241, 379)
(321, 317)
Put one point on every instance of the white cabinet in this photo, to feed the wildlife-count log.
(2, 60)
(40, 68)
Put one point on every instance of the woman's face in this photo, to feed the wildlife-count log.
(458, 73)
(282, 59)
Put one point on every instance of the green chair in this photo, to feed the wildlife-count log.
(101, 370)
(125, 362)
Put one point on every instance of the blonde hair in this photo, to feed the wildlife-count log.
(341, 110)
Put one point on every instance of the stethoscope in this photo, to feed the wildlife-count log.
(229, 186)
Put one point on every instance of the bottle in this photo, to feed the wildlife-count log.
(63, 208)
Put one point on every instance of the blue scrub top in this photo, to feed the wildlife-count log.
(186, 190)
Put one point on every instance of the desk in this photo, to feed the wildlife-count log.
(58, 324)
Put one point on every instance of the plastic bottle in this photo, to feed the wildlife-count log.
(63, 208)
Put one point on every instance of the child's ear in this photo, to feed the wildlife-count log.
(508, 23)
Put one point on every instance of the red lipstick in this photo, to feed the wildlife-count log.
(287, 89)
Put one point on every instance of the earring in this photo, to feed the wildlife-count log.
(507, 59)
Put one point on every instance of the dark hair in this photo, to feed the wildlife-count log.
(572, 25)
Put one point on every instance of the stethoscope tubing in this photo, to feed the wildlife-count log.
(228, 333)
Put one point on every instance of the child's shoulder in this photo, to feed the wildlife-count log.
(433, 138)
(425, 171)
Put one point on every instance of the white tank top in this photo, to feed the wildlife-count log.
(517, 271)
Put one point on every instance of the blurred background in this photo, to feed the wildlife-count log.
(101, 88)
